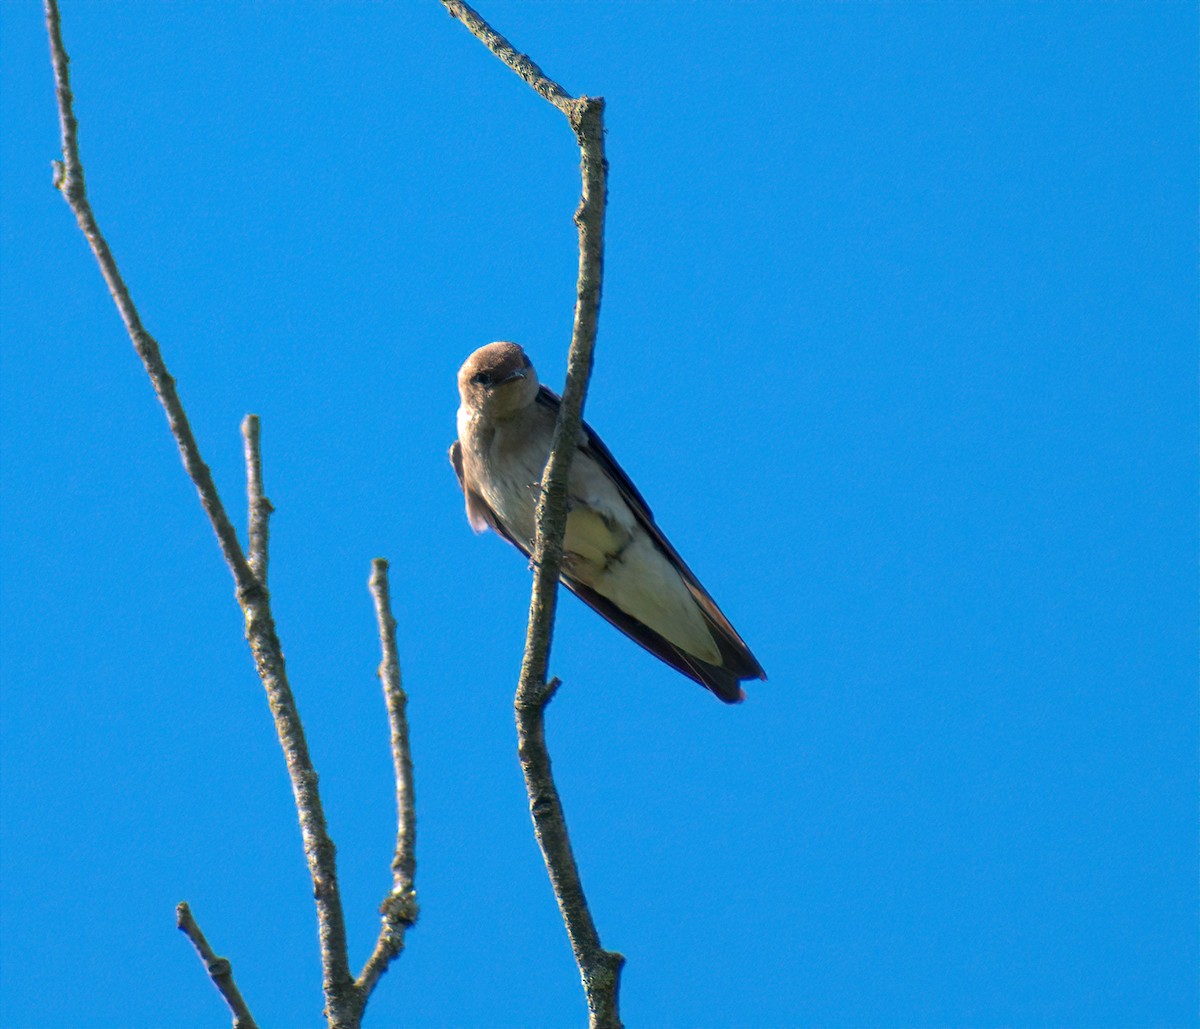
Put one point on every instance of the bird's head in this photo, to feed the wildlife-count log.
(497, 381)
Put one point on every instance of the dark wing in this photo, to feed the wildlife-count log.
(737, 662)
(721, 680)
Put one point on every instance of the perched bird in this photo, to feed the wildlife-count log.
(615, 558)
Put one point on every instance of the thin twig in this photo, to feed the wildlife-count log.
(338, 984)
(219, 970)
(599, 969)
(399, 907)
(259, 507)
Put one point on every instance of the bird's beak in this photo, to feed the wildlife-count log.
(518, 374)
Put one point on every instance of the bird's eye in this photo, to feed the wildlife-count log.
(482, 378)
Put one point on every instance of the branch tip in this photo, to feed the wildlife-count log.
(219, 969)
(259, 508)
(399, 909)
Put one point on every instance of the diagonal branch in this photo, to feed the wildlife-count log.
(69, 180)
(399, 907)
(219, 970)
(252, 595)
(599, 969)
(518, 62)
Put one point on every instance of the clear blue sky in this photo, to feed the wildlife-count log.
(898, 339)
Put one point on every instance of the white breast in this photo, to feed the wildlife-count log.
(606, 547)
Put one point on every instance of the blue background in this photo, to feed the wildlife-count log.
(899, 340)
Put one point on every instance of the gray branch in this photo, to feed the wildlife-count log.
(341, 995)
(599, 969)
(259, 506)
(219, 970)
(399, 907)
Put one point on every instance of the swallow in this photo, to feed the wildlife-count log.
(615, 557)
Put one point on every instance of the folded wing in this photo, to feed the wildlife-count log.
(736, 661)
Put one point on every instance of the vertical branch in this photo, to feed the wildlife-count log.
(338, 984)
(219, 970)
(342, 1007)
(599, 969)
(399, 907)
(259, 506)
(587, 118)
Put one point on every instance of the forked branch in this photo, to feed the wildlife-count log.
(345, 997)
(599, 969)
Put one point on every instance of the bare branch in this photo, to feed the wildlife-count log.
(219, 970)
(338, 984)
(259, 507)
(69, 180)
(399, 907)
(599, 969)
(518, 62)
